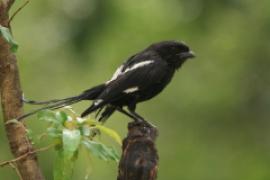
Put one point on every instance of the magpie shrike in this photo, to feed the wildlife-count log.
(140, 78)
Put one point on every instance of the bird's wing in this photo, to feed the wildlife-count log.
(134, 78)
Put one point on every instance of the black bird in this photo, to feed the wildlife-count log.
(140, 78)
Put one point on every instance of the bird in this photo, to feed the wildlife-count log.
(140, 78)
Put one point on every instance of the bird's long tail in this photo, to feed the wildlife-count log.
(89, 94)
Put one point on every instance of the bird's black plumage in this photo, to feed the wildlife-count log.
(141, 77)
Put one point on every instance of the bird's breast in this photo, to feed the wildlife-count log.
(155, 88)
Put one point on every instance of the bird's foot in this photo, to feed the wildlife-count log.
(144, 122)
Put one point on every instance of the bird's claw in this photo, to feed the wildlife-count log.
(144, 122)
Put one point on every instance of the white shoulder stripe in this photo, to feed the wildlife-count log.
(138, 65)
(119, 71)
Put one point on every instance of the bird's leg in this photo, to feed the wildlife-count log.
(131, 109)
(137, 115)
(127, 114)
(139, 118)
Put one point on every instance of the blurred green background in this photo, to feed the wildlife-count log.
(213, 118)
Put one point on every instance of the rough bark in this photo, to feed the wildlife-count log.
(139, 159)
(12, 106)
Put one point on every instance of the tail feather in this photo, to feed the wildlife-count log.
(53, 106)
(109, 110)
(106, 113)
(89, 94)
(91, 109)
(32, 102)
(94, 92)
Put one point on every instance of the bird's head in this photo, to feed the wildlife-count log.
(175, 53)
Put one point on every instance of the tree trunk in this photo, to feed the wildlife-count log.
(139, 159)
(11, 96)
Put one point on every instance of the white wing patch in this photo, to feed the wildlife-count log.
(98, 101)
(120, 71)
(116, 74)
(131, 90)
(138, 65)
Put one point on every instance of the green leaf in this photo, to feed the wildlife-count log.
(47, 115)
(67, 154)
(101, 151)
(63, 167)
(61, 116)
(54, 132)
(6, 34)
(113, 134)
(90, 122)
(86, 131)
(71, 141)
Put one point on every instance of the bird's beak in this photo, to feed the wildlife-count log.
(187, 55)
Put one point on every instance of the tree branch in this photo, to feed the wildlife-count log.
(11, 96)
(17, 11)
(25, 155)
(139, 159)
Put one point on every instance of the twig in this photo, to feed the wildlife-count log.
(17, 170)
(16, 12)
(25, 155)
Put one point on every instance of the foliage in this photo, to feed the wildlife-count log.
(6, 34)
(70, 133)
